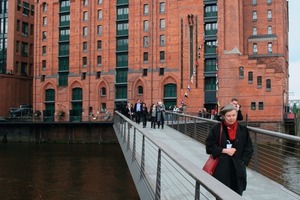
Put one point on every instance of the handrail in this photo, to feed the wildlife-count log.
(168, 162)
(274, 152)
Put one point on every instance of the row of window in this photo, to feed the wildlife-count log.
(255, 30)
(254, 2)
(162, 56)
(255, 16)
(162, 24)
(258, 79)
(162, 40)
(26, 49)
(25, 28)
(269, 48)
(27, 8)
(162, 8)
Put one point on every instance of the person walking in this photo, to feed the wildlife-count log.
(138, 111)
(144, 114)
(160, 114)
(153, 115)
(235, 151)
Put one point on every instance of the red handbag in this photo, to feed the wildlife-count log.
(211, 164)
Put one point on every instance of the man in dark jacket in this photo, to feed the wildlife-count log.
(236, 104)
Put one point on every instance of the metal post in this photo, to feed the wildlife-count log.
(158, 177)
(143, 158)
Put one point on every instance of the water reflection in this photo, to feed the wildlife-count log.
(64, 171)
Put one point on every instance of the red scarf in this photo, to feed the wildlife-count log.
(231, 130)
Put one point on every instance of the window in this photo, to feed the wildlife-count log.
(162, 40)
(85, 31)
(43, 78)
(103, 91)
(145, 57)
(24, 47)
(254, 15)
(268, 84)
(254, 2)
(85, 2)
(99, 44)
(99, 14)
(99, 29)
(85, 16)
(44, 50)
(31, 29)
(161, 55)
(254, 31)
(146, 9)
(98, 74)
(17, 46)
(269, 47)
(161, 71)
(146, 25)
(140, 90)
(269, 14)
(255, 48)
(83, 76)
(269, 2)
(250, 77)
(24, 29)
(44, 64)
(145, 72)
(146, 41)
(99, 60)
(18, 25)
(44, 35)
(162, 7)
(25, 8)
(103, 107)
(253, 106)
(162, 24)
(269, 30)
(19, 5)
(45, 7)
(259, 82)
(100, 2)
(260, 105)
(241, 72)
(84, 61)
(44, 21)
(84, 46)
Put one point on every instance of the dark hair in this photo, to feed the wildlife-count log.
(234, 99)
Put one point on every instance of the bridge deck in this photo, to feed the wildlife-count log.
(259, 186)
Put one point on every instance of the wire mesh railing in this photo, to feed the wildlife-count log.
(163, 173)
(276, 155)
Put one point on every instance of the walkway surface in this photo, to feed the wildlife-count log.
(259, 187)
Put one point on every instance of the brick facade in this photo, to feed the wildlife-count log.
(182, 23)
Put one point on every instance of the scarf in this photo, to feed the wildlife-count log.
(231, 130)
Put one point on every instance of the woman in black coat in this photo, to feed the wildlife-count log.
(235, 151)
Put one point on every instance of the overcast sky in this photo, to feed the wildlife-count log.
(294, 49)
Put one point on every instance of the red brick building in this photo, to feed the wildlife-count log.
(94, 56)
(16, 53)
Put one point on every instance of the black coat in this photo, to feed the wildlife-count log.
(231, 170)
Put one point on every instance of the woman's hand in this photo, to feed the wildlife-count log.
(229, 151)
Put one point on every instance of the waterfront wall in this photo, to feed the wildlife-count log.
(58, 132)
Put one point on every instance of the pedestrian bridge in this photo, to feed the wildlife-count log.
(167, 163)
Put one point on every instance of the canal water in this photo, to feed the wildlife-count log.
(64, 171)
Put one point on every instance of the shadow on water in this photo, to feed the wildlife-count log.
(64, 171)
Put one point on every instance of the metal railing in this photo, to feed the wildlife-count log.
(276, 155)
(161, 173)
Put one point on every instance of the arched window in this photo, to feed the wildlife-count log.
(259, 82)
(103, 91)
(241, 72)
(268, 84)
(254, 31)
(170, 95)
(255, 48)
(76, 112)
(270, 48)
(48, 113)
(269, 14)
(250, 77)
(140, 90)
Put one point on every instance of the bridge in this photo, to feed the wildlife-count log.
(167, 163)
